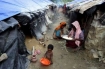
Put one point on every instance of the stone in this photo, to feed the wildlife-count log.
(3, 57)
(74, 66)
(103, 61)
(95, 54)
(100, 59)
(101, 54)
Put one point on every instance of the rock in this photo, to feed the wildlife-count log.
(74, 67)
(101, 54)
(103, 61)
(41, 42)
(4, 56)
(96, 42)
(95, 54)
(44, 45)
(100, 59)
(44, 33)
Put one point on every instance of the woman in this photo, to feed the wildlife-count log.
(76, 33)
(59, 30)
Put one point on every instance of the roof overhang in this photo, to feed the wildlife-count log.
(86, 5)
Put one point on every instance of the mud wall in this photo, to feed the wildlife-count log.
(95, 40)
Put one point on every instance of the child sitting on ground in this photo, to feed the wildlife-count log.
(49, 53)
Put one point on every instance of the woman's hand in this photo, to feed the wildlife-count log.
(70, 35)
(77, 42)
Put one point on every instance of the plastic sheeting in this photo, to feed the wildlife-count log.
(12, 43)
(38, 26)
(10, 8)
(85, 5)
(32, 23)
(74, 2)
(49, 15)
(10, 23)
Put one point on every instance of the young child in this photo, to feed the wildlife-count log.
(49, 53)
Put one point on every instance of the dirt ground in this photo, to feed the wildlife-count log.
(62, 59)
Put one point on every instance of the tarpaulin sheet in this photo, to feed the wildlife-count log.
(85, 5)
(75, 2)
(42, 3)
(12, 43)
(9, 8)
(38, 26)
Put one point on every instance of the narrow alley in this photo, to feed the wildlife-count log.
(62, 59)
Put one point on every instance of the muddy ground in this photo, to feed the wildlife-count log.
(62, 59)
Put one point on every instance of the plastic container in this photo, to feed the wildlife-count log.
(45, 61)
(38, 52)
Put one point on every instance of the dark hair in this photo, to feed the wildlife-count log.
(50, 46)
(69, 28)
(73, 27)
(64, 25)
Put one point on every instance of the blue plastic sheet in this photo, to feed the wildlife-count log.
(9, 8)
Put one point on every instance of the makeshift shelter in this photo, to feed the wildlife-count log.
(35, 23)
(16, 19)
(12, 43)
(91, 15)
(28, 11)
(19, 6)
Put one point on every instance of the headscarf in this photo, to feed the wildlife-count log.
(78, 29)
(61, 24)
(77, 33)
